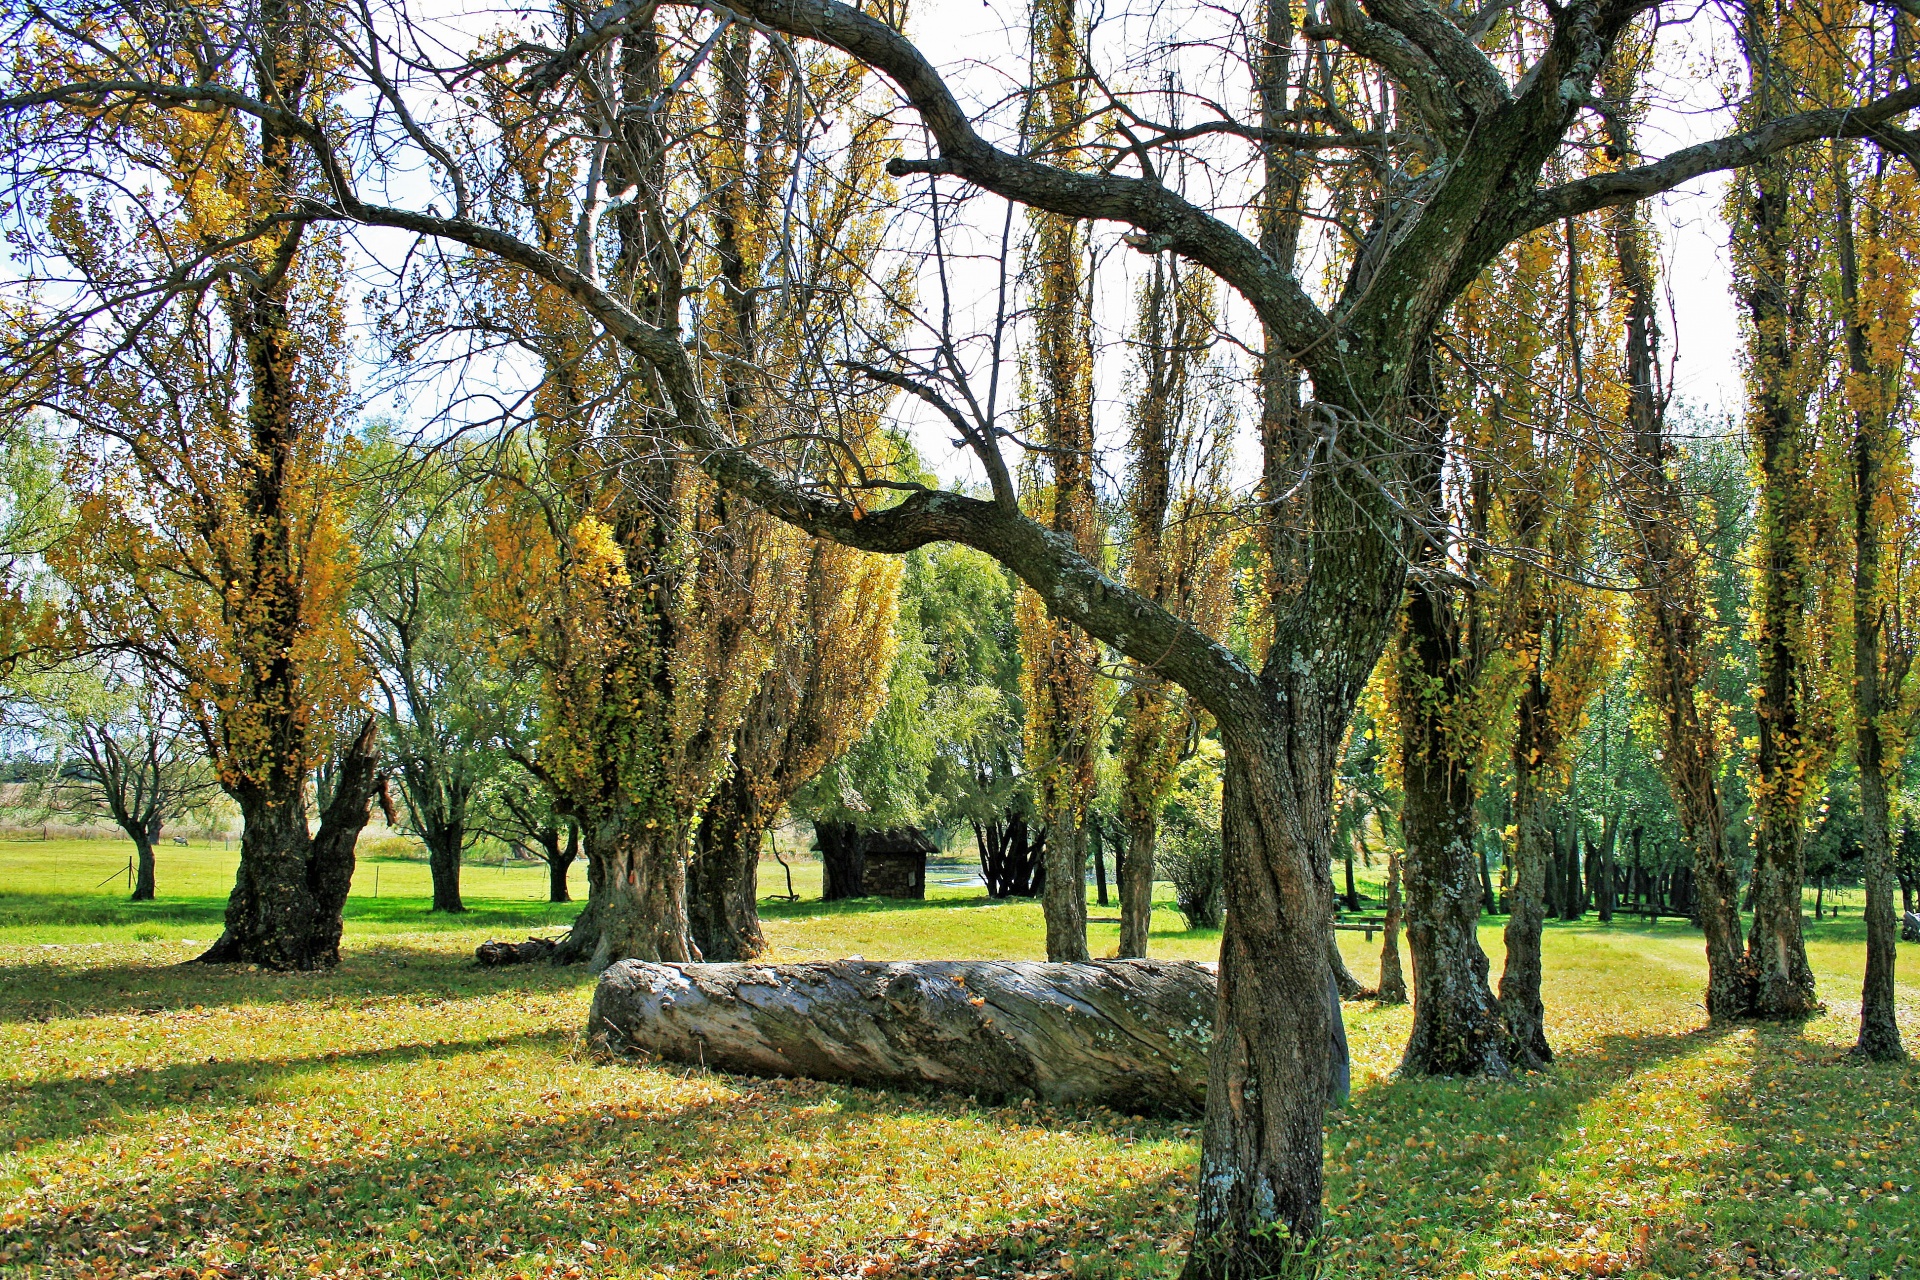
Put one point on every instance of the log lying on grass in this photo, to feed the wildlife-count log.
(1127, 1034)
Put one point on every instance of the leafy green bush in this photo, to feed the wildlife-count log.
(394, 847)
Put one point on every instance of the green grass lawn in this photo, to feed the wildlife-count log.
(410, 1115)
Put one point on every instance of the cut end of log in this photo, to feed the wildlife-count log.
(1127, 1034)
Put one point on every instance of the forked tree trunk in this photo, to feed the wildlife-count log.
(1457, 1027)
(1136, 887)
(636, 898)
(1063, 900)
(290, 890)
(1259, 1203)
(1520, 1000)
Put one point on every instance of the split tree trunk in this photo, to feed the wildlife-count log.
(290, 890)
(1131, 1035)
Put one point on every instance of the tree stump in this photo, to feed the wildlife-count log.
(1127, 1034)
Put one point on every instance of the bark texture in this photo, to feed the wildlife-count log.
(1393, 982)
(1131, 1035)
(285, 909)
(1520, 1000)
(636, 899)
(1136, 887)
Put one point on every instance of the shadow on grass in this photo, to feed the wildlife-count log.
(92, 910)
(370, 970)
(1422, 1172)
(60, 1108)
(782, 1176)
(1823, 1176)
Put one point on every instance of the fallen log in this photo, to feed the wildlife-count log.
(1127, 1034)
(491, 954)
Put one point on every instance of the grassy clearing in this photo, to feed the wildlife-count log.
(408, 1115)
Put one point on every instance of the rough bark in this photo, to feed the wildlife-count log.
(1393, 982)
(1260, 1154)
(1520, 1001)
(1063, 899)
(636, 899)
(723, 873)
(290, 890)
(1131, 1035)
(1457, 1027)
(1786, 752)
(1136, 887)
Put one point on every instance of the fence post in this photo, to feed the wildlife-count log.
(129, 873)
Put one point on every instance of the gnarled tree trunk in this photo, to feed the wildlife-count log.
(723, 874)
(636, 898)
(290, 890)
(1131, 1035)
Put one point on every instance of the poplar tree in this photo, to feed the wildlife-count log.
(1777, 257)
(1178, 546)
(1671, 616)
(1059, 674)
(226, 394)
(1876, 219)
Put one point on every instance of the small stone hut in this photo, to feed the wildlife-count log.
(896, 863)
